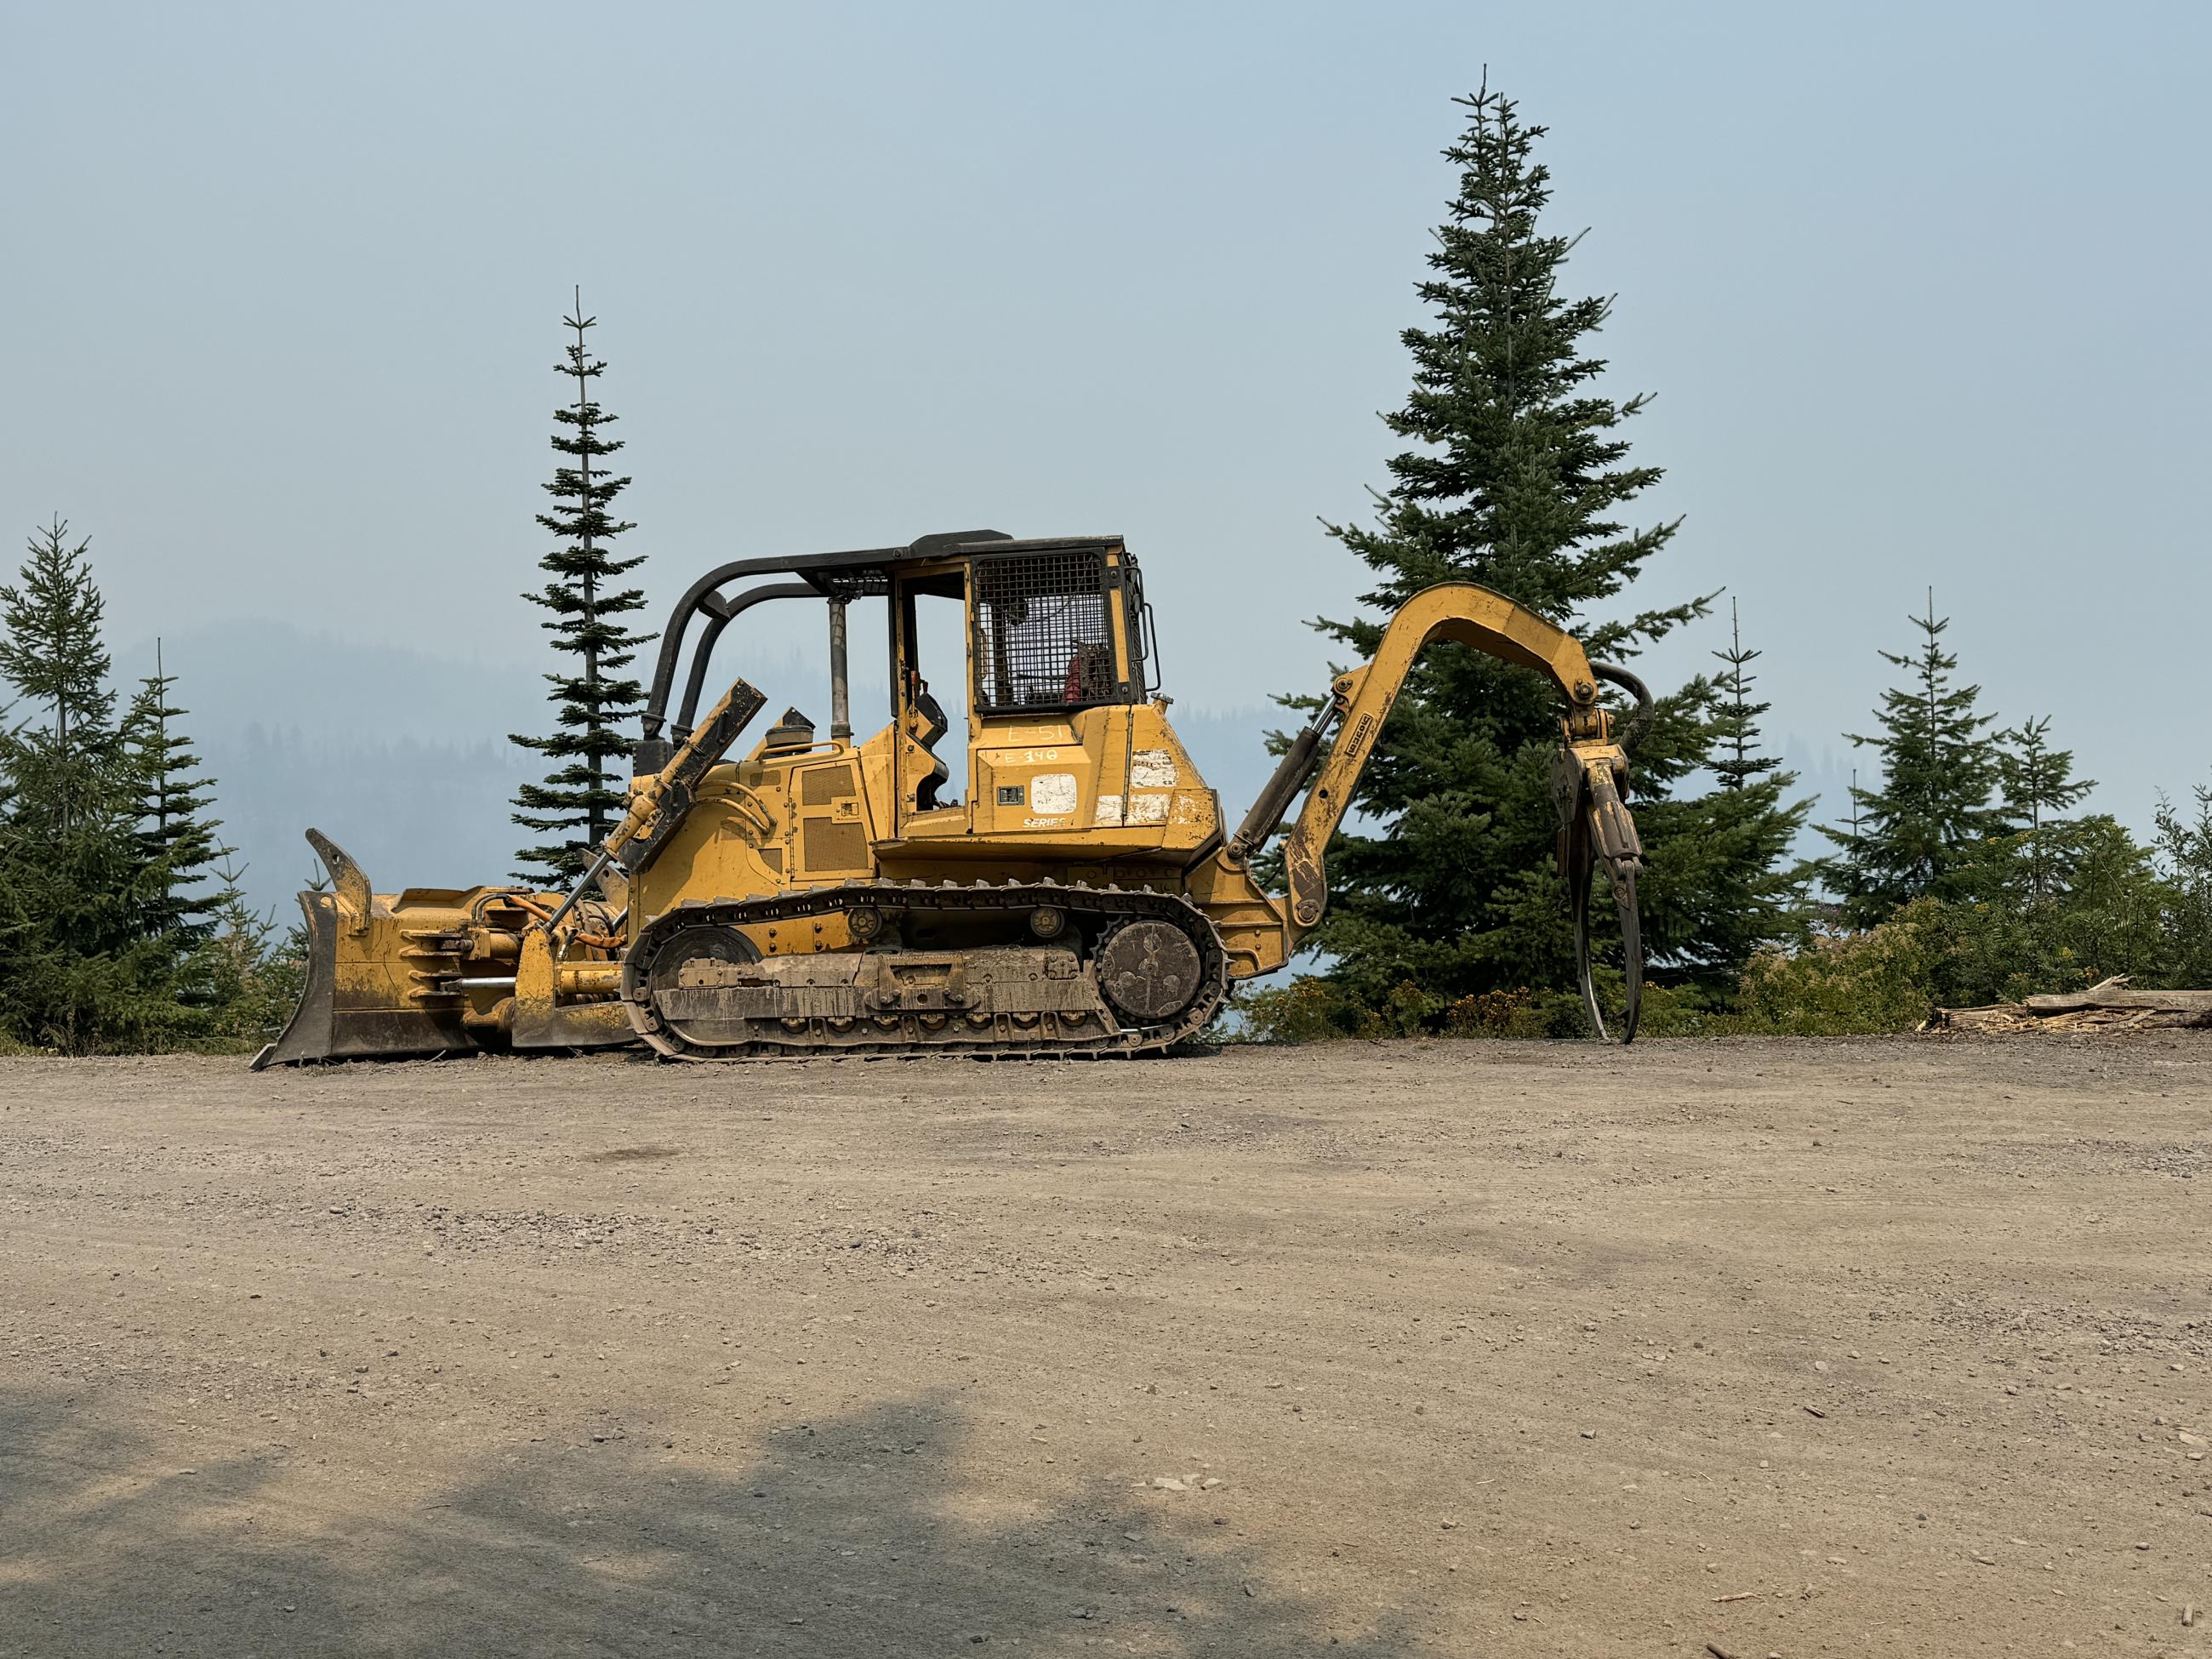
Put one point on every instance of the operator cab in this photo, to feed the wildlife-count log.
(1053, 628)
(1050, 627)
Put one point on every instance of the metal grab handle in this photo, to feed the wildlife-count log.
(1634, 686)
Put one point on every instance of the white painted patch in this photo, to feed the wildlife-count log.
(1152, 768)
(1109, 811)
(1149, 809)
(1193, 807)
(1052, 792)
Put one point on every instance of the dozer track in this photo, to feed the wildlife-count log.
(1025, 969)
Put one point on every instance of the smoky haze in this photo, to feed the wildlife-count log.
(1918, 289)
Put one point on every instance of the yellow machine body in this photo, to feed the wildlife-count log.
(1078, 890)
(1105, 796)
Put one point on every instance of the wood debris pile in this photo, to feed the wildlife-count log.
(2110, 1006)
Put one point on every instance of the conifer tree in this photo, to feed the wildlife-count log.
(1929, 826)
(68, 978)
(2038, 787)
(108, 940)
(1738, 862)
(51, 653)
(584, 796)
(178, 849)
(1516, 475)
(2185, 850)
(1736, 758)
(2059, 901)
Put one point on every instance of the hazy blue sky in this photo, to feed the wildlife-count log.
(1921, 291)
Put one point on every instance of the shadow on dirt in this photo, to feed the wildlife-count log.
(847, 1538)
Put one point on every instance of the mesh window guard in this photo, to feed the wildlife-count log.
(1041, 635)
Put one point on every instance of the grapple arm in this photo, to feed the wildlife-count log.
(1590, 778)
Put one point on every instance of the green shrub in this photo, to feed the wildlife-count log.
(1675, 1011)
(1315, 1009)
(1310, 1010)
(1845, 984)
(1519, 1013)
(1307, 1010)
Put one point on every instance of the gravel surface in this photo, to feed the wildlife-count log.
(1866, 1348)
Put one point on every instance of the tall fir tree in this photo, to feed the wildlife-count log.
(1738, 863)
(1737, 760)
(584, 796)
(1930, 826)
(179, 852)
(1517, 477)
(52, 653)
(71, 975)
(2040, 788)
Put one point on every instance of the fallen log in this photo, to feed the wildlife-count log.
(2116, 992)
(2012, 1019)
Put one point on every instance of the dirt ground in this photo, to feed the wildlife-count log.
(1866, 1348)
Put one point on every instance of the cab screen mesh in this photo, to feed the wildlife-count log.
(1041, 635)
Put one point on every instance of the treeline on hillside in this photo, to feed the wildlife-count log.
(121, 924)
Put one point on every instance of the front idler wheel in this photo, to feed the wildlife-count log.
(707, 943)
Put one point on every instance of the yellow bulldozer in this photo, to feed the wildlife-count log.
(828, 896)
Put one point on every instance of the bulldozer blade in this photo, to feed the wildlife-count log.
(359, 998)
(338, 1021)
